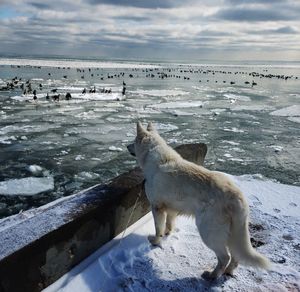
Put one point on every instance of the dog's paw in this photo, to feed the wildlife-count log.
(168, 231)
(208, 276)
(154, 240)
(229, 275)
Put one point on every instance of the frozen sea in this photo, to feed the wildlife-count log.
(52, 149)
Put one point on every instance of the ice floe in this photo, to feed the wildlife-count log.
(276, 148)
(7, 139)
(290, 111)
(234, 129)
(254, 107)
(294, 119)
(235, 97)
(70, 88)
(88, 96)
(161, 92)
(79, 157)
(177, 104)
(161, 127)
(99, 96)
(27, 186)
(114, 148)
(35, 169)
(27, 97)
(85, 175)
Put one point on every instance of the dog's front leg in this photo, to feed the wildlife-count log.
(170, 223)
(159, 215)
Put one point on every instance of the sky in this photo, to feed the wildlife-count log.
(154, 30)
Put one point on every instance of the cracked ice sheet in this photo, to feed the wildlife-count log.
(133, 265)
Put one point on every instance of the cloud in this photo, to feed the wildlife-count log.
(153, 4)
(281, 30)
(40, 5)
(253, 14)
(161, 28)
(286, 30)
(247, 2)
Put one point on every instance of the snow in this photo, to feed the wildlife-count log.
(27, 186)
(132, 264)
(271, 197)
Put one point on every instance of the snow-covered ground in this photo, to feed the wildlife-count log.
(132, 264)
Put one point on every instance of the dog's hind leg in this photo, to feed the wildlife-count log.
(214, 234)
(170, 224)
(159, 215)
(232, 265)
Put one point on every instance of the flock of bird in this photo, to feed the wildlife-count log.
(180, 72)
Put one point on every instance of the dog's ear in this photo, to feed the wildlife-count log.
(141, 132)
(150, 127)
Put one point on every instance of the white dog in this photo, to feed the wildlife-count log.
(175, 186)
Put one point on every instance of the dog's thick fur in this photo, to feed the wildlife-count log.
(175, 186)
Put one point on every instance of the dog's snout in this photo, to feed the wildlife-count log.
(131, 150)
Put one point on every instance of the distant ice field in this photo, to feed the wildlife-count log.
(72, 63)
(81, 142)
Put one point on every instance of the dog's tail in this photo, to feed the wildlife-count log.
(240, 244)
